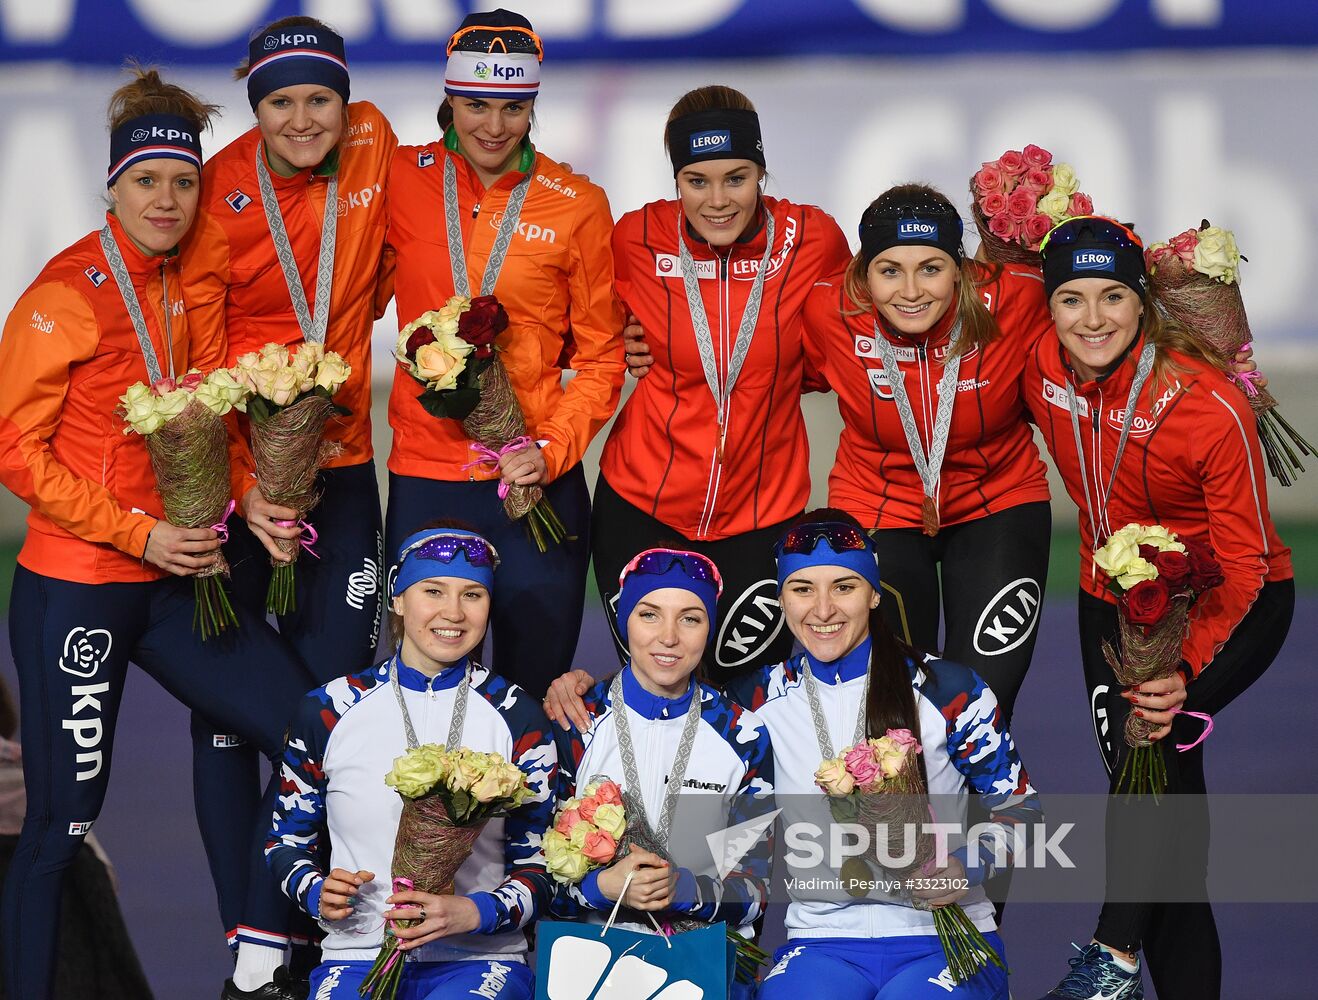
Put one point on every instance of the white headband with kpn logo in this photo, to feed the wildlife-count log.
(508, 76)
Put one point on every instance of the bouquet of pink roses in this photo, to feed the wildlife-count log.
(586, 832)
(1195, 277)
(879, 783)
(1017, 198)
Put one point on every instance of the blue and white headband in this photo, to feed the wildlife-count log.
(152, 137)
(504, 76)
(295, 56)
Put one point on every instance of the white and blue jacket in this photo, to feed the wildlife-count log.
(731, 759)
(343, 743)
(965, 749)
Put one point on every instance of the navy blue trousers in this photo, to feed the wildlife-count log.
(538, 596)
(333, 629)
(72, 643)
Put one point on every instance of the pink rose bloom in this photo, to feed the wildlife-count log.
(1184, 243)
(1080, 205)
(988, 179)
(598, 848)
(905, 739)
(1037, 156)
(163, 386)
(1039, 177)
(1036, 228)
(1002, 227)
(1037, 190)
(588, 807)
(190, 381)
(609, 794)
(1021, 204)
(861, 764)
(1012, 162)
(994, 203)
(1156, 254)
(566, 821)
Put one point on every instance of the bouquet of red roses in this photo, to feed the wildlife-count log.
(1195, 277)
(1156, 578)
(1018, 198)
(451, 352)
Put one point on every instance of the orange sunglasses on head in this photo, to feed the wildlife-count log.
(539, 46)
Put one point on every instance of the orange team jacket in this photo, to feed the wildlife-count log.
(68, 353)
(1192, 463)
(556, 285)
(991, 462)
(663, 454)
(235, 287)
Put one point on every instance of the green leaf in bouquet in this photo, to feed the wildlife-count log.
(452, 403)
(260, 409)
(324, 393)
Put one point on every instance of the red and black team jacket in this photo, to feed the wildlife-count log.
(991, 462)
(663, 454)
(1192, 464)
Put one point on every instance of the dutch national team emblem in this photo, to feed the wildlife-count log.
(95, 277)
(236, 200)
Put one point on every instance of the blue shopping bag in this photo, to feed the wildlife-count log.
(587, 962)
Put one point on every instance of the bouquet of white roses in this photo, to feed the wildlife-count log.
(180, 420)
(1195, 278)
(448, 797)
(289, 400)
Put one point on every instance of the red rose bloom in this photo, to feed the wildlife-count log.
(1146, 602)
(1173, 568)
(1149, 553)
(423, 336)
(484, 321)
(1205, 571)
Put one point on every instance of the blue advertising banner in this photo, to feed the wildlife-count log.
(105, 31)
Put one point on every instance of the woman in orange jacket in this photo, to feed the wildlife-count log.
(287, 248)
(268, 263)
(536, 236)
(711, 447)
(102, 576)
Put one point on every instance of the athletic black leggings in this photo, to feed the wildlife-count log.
(751, 631)
(986, 577)
(1179, 940)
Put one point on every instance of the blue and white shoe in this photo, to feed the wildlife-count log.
(1095, 975)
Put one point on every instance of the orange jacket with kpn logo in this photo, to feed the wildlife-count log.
(68, 353)
(663, 454)
(556, 285)
(235, 287)
(991, 462)
(1192, 464)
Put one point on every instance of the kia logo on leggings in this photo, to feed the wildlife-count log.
(753, 623)
(1009, 618)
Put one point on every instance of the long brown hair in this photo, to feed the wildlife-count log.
(890, 703)
(148, 94)
(978, 327)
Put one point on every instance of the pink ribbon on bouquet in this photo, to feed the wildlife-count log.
(309, 534)
(221, 527)
(400, 885)
(1208, 728)
(1247, 380)
(489, 458)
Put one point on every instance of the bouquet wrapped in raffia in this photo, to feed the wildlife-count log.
(289, 402)
(1194, 278)
(448, 797)
(452, 353)
(878, 784)
(182, 424)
